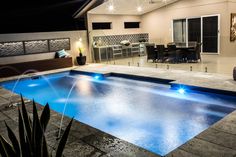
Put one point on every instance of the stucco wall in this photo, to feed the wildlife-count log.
(73, 35)
(158, 23)
(117, 24)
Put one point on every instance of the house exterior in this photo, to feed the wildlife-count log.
(158, 21)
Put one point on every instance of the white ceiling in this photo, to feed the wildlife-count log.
(129, 7)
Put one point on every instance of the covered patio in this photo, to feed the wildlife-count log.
(155, 23)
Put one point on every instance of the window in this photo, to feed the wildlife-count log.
(101, 25)
(179, 30)
(132, 24)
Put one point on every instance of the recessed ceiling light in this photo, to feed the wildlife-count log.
(139, 9)
(111, 7)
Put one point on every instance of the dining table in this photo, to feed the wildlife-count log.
(185, 50)
(185, 47)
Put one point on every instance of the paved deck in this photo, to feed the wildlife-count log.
(217, 141)
(195, 79)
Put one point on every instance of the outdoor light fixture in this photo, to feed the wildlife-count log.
(111, 7)
(32, 85)
(97, 77)
(139, 9)
(181, 91)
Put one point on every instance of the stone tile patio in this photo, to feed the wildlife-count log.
(217, 141)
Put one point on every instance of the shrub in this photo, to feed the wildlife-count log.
(32, 141)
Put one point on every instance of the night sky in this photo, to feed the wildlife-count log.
(18, 16)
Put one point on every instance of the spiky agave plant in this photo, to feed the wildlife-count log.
(32, 141)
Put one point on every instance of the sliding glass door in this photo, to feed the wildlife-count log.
(203, 29)
(210, 34)
(194, 29)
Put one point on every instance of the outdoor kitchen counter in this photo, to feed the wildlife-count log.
(104, 53)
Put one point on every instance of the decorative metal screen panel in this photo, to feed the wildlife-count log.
(116, 39)
(11, 49)
(37, 46)
(17, 48)
(58, 44)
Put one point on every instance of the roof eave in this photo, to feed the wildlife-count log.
(89, 4)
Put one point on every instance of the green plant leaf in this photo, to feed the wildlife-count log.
(34, 131)
(26, 118)
(44, 152)
(45, 116)
(14, 140)
(29, 147)
(22, 134)
(37, 132)
(3, 149)
(9, 150)
(63, 140)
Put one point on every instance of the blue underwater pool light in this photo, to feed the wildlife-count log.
(98, 77)
(181, 91)
(33, 85)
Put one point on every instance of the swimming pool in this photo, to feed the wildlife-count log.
(147, 114)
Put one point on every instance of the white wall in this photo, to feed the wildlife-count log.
(117, 24)
(73, 35)
(158, 23)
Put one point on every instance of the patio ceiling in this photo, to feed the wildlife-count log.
(130, 7)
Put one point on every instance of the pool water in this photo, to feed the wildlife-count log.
(147, 114)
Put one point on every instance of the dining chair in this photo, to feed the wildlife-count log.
(173, 53)
(161, 53)
(194, 54)
(198, 51)
(151, 53)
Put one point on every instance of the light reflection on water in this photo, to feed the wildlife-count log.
(147, 114)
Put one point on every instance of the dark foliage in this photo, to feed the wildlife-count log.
(32, 141)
